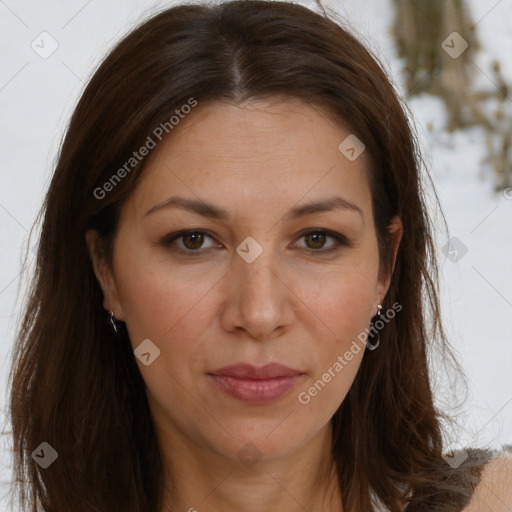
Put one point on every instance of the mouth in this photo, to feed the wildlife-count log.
(256, 385)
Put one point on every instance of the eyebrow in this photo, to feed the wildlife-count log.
(214, 212)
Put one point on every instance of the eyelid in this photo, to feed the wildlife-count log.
(341, 240)
(170, 238)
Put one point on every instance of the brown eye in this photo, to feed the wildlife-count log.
(195, 239)
(315, 241)
(191, 241)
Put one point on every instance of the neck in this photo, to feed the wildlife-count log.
(204, 481)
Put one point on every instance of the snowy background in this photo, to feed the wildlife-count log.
(37, 97)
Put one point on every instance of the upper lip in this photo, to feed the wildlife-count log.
(248, 371)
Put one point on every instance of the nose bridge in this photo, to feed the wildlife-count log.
(257, 262)
(257, 294)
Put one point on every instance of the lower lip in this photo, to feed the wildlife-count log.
(254, 391)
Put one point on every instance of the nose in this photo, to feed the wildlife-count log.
(259, 301)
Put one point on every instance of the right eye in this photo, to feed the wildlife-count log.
(192, 241)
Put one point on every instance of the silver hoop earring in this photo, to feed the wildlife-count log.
(375, 343)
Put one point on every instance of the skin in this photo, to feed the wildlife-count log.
(290, 305)
(494, 492)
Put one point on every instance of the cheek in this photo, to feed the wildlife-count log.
(341, 303)
(343, 310)
(155, 292)
(341, 298)
(324, 392)
(173, 309)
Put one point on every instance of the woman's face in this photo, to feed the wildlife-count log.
(254, 286)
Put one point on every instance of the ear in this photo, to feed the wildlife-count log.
(104, 274)
(395, 231)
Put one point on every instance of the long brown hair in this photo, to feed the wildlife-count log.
(76, 386)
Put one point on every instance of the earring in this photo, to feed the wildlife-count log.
(113, 321)
(374, 344)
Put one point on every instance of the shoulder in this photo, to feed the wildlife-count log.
(494, 491)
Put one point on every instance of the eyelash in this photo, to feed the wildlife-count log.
(340, 241)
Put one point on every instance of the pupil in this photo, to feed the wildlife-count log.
(197, 243)
(318, 239)
(315, 235)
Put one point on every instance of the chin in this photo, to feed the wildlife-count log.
(261, 440)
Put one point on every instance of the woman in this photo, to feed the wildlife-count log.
(227, 312)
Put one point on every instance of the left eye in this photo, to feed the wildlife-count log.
(318, 238)
(193, 240)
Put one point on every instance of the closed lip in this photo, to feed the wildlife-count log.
(249, 371)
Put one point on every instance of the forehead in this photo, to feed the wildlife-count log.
(259, 154)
